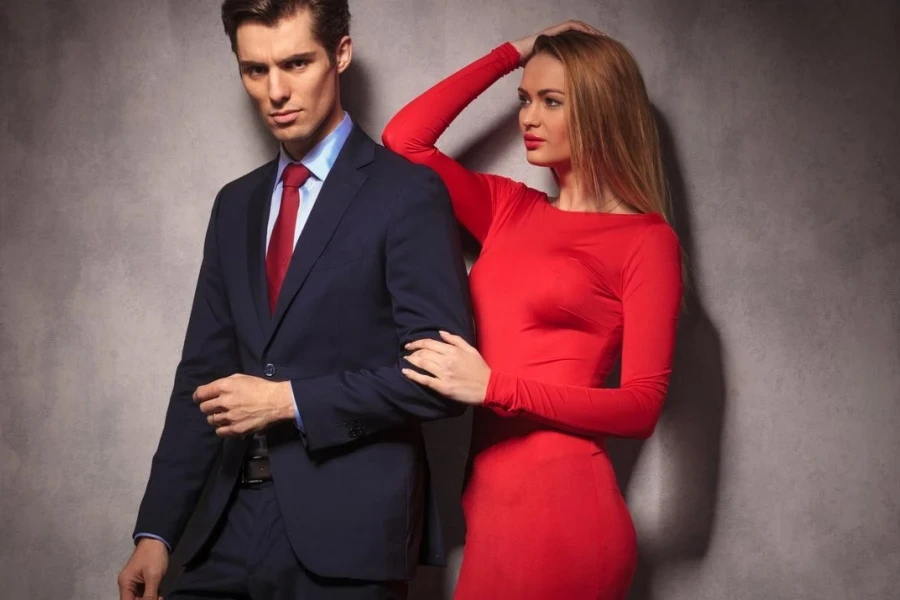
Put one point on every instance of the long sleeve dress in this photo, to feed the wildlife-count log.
(559, 297)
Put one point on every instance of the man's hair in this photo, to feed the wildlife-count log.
(330, 18)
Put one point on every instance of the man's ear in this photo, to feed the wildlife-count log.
(344, 54)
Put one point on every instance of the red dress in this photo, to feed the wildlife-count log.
(558, 297)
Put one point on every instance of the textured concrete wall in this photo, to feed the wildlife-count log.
(773, 473)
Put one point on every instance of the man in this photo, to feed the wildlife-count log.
(317, 268)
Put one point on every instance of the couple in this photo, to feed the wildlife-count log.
(332, 316)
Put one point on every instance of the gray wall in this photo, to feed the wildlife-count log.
(774, 471)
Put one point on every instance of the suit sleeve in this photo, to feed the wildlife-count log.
(188, 445)
(651, 300)
(427, 281)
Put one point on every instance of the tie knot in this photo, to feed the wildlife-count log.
(295, 175)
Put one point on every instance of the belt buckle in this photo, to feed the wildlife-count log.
(260, 464)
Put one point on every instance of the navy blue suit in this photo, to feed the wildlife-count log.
(377, 265)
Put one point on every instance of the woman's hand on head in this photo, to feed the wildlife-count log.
(525, 45)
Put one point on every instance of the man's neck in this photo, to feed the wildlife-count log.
(299, 148)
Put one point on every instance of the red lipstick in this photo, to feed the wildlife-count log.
(532, 142)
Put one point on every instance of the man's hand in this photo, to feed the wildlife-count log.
(144, 570)
(241, 404)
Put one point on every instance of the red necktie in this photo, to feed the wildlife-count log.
(281, 244)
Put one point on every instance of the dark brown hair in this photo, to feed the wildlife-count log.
(330, 18)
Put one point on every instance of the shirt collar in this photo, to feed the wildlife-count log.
(322, 157)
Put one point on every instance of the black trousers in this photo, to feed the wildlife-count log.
(250, 558)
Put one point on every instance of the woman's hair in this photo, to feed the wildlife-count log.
(612, 131)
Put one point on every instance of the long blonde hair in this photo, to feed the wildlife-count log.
(613, 134)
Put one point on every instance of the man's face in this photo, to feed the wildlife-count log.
(289, 76)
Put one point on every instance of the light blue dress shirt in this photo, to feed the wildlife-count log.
(319, 161)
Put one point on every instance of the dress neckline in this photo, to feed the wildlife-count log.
(556, 209)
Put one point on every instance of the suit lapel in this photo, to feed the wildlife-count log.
(338, 191)
(257, 221)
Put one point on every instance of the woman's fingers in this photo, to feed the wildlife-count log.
(428, 344)
(427, 362)
(429, 382)
(573, 24)
(455, 340)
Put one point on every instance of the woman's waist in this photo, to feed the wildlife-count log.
(581, 369)
(520, 443)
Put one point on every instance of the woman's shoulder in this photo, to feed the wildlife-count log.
(653, 240)
(506, 190)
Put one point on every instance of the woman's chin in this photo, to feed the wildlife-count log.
(535, 158)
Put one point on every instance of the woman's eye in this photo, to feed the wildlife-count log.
(552, 103)
(523, 100)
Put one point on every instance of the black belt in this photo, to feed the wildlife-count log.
(256, 470)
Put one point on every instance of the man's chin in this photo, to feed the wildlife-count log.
(286, 135)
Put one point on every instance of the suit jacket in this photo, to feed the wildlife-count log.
(377, 265)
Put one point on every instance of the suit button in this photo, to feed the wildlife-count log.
(269, 370)
(356, 430)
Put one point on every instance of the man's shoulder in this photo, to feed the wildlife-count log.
(245, 184)
(412, 186)
(399, 171)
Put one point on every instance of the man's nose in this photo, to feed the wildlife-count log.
(279, 92)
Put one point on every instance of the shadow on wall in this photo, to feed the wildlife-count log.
(691, 425)
(356, 96)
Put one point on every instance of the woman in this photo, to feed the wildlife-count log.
(563, 288)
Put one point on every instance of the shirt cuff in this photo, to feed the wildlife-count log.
(138, 536)
(297, 419)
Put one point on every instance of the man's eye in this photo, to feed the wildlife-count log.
(298, 64)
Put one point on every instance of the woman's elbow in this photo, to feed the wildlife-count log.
(648, 416)
(395, 139)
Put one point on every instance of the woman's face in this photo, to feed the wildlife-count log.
(542, 116)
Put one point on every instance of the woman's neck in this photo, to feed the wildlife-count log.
(573, 197)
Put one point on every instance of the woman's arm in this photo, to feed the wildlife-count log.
(414, 131)
(651, 300)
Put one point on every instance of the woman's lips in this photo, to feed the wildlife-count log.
(533, 142)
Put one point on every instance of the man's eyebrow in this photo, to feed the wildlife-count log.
(305, 56)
